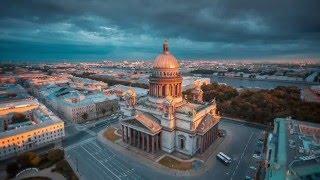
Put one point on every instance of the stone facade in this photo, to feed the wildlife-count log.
(172, 123)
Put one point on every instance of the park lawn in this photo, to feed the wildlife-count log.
(110, 134)
(175, 164)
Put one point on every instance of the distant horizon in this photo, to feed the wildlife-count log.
(51, 31)
(77, 61)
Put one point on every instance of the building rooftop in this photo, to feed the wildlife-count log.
(294, 148)
(72, 97)
(43, 117)
(12, 92)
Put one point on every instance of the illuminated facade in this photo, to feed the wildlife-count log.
(78, 106)
(26, 124)
(164, 120)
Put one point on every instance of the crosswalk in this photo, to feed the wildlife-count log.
(79, 144)
(93, 160)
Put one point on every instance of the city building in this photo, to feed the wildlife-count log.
(7, 78)
(78, 106)
(45, 80)
(25, 123)
(14, 99)
(121, 91)
(293, 150)
(189, 82)
(164, 120)
(87, 84)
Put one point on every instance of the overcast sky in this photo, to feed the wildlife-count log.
(213, 29)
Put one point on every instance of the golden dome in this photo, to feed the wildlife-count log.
(166, 60)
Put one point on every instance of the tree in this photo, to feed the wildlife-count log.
(34, 162)
(28, 159)
(55, 155)
(18, 117)
(12, 169)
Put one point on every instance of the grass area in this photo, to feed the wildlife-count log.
(110, 134)
(175, 164)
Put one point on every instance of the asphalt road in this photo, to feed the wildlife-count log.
(97, 161)
(240, 144)
(94, 161)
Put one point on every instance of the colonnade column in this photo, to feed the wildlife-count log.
(142, 141)
(157, 142)
(130, 136)
(152, 144)
(138, 136)
(167, 90)
(148, 142)
(150, 89)
(201, 144)
(127, 136)
(122, 132)
(160, 90)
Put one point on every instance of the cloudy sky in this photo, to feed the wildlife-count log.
(48, 30)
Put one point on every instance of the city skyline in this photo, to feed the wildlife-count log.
(160, 120)
(51, 31)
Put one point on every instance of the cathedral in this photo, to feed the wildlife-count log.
(164, 120)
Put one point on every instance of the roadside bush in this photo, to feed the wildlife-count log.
(55, 155)
(34, 162)
(28, 159)
(12, 169)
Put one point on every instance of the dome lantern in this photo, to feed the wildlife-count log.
(165, 47)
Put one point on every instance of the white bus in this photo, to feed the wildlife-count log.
(224, 158)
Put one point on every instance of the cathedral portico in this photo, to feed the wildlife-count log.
(142, 133)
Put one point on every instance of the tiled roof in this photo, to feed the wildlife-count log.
(148, 121)
(207, 122)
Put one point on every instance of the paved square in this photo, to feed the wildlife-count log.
(96, 162)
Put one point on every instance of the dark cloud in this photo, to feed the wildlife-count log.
(241, 27)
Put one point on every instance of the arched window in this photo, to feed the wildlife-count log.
(182, 142)
(163, 90)
(197, 142)
(176, 86)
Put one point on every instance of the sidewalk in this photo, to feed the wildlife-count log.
(142, 157)
(152, 159)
